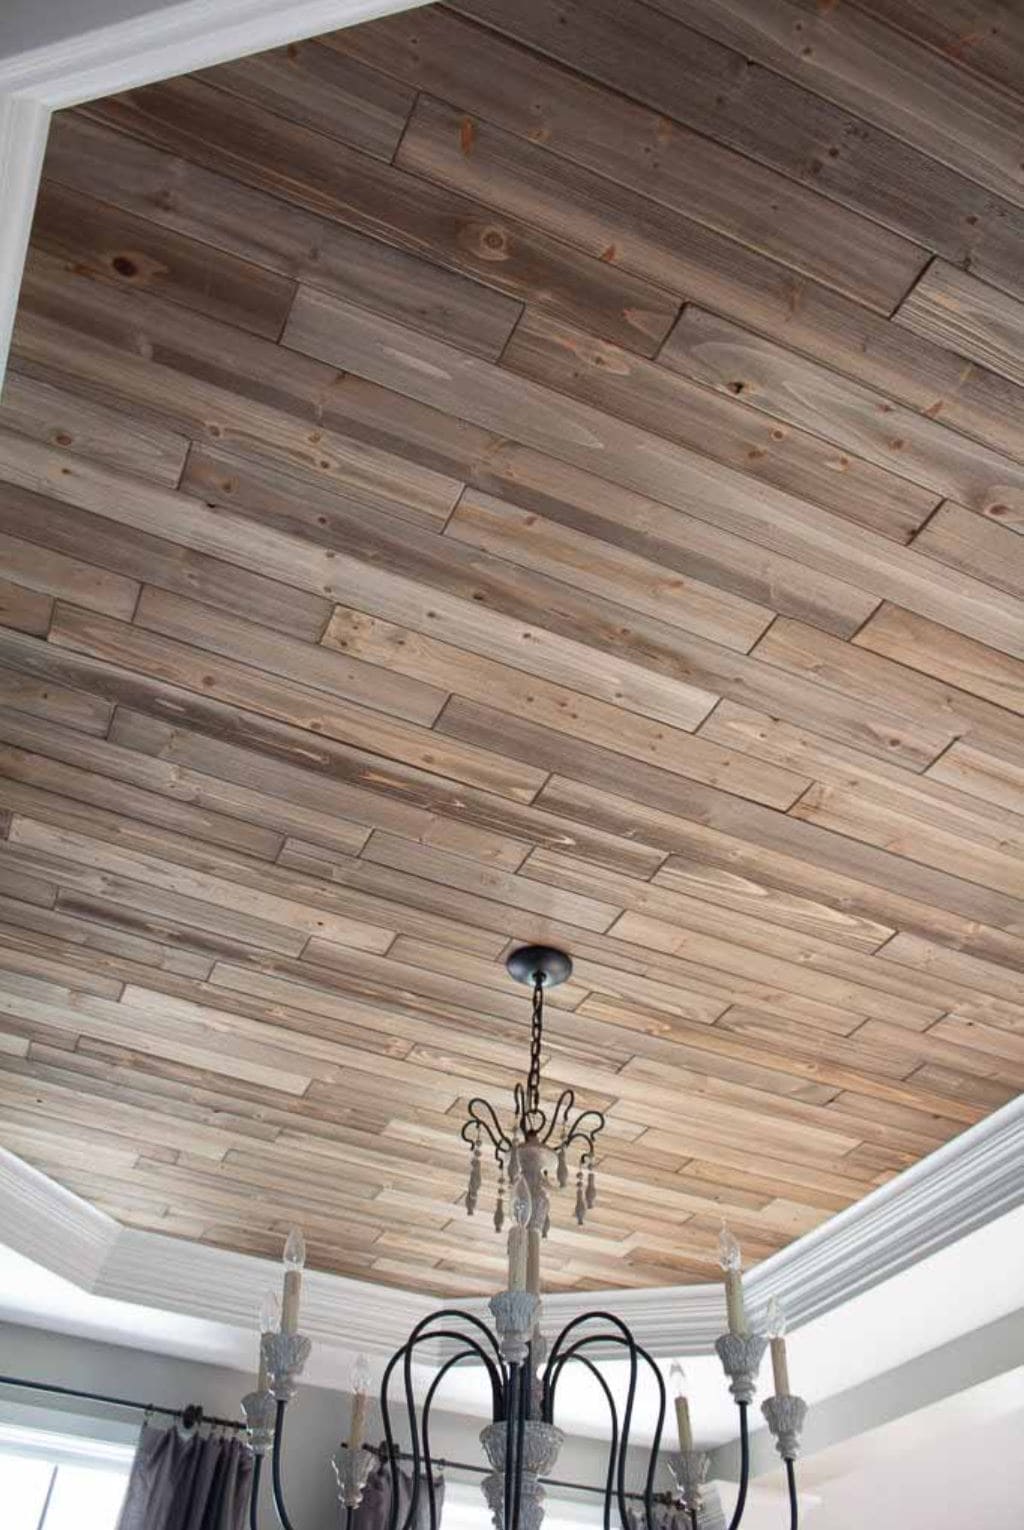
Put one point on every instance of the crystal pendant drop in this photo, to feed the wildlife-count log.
(591, 1193)
(581, 1203)
(562, 1172)
(499, 1205)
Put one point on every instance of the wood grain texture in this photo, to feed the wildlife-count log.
(505, 474)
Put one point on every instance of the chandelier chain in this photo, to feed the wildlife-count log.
(536, 1039)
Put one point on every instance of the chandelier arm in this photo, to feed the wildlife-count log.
(389, 1439)
(794, 1507)
(625, 1338)
(741, 1501)
(254, 1493)
(490, 1124)
(414, 1435)
(275, 1461)
(563, 1105)
(445, 1368)
(578, 1130)
(496, 1367)
(573, 1353)
(622, 1336)
(693, 1519)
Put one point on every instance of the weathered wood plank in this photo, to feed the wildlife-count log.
(35, 409)
(988, 548)
(954, 308)
(128, 556)
(308, 83)
(649, 395)
(801, 393)
(24, 609)
(615, 573)
(632, 146)
(690, 78)
(54, 574)
(510, 690)
(211, 129)
(251, 224)
(115, 247)
(934, 650)
(628, 455)
(914, 93)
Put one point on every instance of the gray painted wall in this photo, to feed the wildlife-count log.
(316, 1419)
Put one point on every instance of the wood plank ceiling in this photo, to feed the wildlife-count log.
(548, 470)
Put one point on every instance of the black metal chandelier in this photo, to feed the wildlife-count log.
(533, 1133)
(520, 1372)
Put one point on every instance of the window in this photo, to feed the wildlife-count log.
(51, 1481)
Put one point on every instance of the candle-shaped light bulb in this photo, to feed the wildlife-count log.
(677, 1381)
(730, 1257)
(775, 1328)
(360, 1382)
(294, 1258)
(522, 1202)
(269, 1316)
(294, 1250)
(268, 1320)
(775, 1320)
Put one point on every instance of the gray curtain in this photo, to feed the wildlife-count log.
(178, 1482)
(374, 1511)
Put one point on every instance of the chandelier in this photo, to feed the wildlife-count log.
(519, 1370)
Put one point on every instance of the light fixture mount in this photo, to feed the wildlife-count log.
(545, 965)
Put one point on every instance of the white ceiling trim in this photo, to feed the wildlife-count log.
(156, 45)
(970, 1182)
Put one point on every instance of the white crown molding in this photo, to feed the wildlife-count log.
(98, 61)
(970, 1182)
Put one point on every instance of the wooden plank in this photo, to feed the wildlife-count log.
(752, 903)
(51, 573)
(308, 83)
(688, 77)
(208, 380)
(982, 548)
(615, 573)
(509, 690)
(26, 610)
(62, 703)
(809, 396)
(792, 853)
(916, 94)
(855, 671)
(251, 224)
(211, 129)
(689, 173)
(210, 889)
(865, 488)
(130, 555)
(605, 512)
(115, 247)
(36, 409)
(218, 632)
(954, 308)
(934, 650)
(304, 707)
(575, 432)
(979, 35)
(981, 774)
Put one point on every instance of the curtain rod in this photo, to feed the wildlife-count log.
(193, 1414)
(199, 1417)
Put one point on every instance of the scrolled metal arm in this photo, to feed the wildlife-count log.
(483, 1116)
(275, 1460)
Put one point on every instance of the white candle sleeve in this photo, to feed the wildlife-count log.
(734, 1303)
(290, 1301)
(357, 1425)
(683, 1424)
(517, 1253)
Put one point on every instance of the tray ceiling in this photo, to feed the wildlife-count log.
(500, 473)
